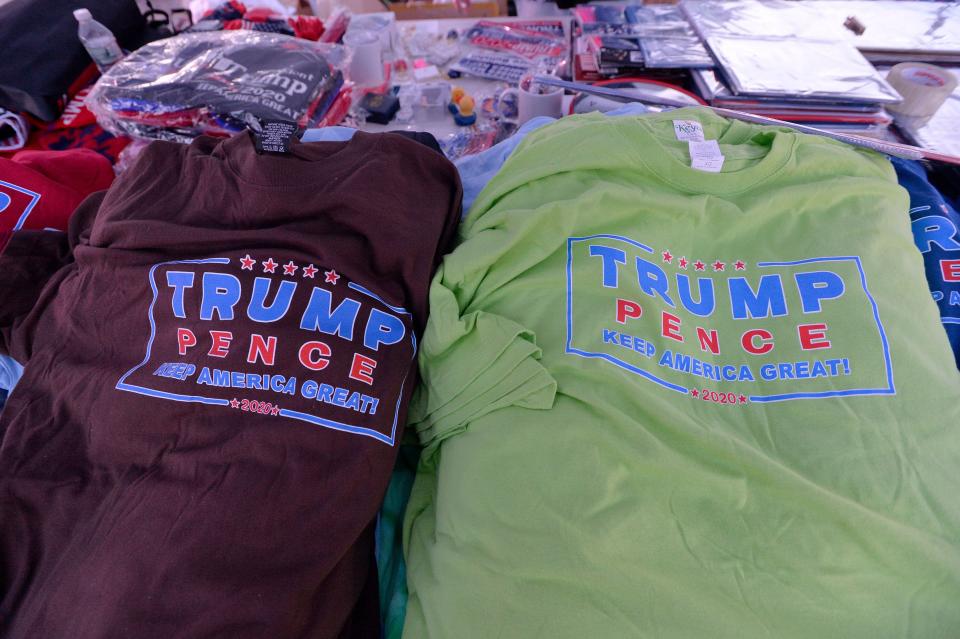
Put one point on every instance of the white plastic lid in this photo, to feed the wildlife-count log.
(82, 14)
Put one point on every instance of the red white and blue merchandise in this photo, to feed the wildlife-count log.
(41, 189)
(218, 356)
(936, 231)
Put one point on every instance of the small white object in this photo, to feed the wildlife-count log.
(427, 27)
(705, 155)
(688, 130)
(366, 66)
(98, 40)
(531, 104)
(429, 72)
(924, 88)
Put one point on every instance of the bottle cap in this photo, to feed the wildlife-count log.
(82, 14)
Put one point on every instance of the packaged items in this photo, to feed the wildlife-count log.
(516, 40)
(493, 66)
(806, 68)
(505, 51)
(212, 83)
(638, 37)
(675, 53)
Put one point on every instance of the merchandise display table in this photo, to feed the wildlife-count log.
(291, 346)
(443, 125)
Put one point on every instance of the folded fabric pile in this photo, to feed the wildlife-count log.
(218, 358)
(675, 392)
(216, 84)
(234, 15)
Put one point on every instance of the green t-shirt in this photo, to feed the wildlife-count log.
(665, 402)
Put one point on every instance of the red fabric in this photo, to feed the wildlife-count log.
(41, 189)
(76, 128)
(169, 119)
(260, 14)
(75, 113)
(237, 6)
(307, 27)
(338, 110)
(91, 137)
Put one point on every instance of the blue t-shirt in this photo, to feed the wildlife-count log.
(936, 231)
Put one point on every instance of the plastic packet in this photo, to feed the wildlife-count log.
(217, 83)
(675, 53)
(518, 41)
(469, 140)
(493, 66)
(506, 50)
(800, 68)
(891, 25)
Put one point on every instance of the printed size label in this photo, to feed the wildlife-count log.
(725, 326)
(285, 339)
(706, 156)
(688, 130)
(275, 136)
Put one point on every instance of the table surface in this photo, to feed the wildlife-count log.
(445, 127)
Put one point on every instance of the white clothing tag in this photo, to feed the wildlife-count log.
(705, 155)
(423, 74)
(688, 130)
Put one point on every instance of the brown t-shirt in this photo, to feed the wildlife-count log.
(219, 356)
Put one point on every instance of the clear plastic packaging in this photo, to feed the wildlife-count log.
(505, 51)
(219, 83)
(675, 53)
(802, 68)
(430, 102)
(890, 25)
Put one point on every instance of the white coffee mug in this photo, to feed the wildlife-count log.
(366, 66)
(531, 103)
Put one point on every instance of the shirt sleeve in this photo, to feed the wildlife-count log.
(472, 364)
(29, 263)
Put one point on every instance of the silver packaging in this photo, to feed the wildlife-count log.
(906, 26)
(802, 68)
(675, 53)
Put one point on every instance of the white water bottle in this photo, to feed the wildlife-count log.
(98, 40)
